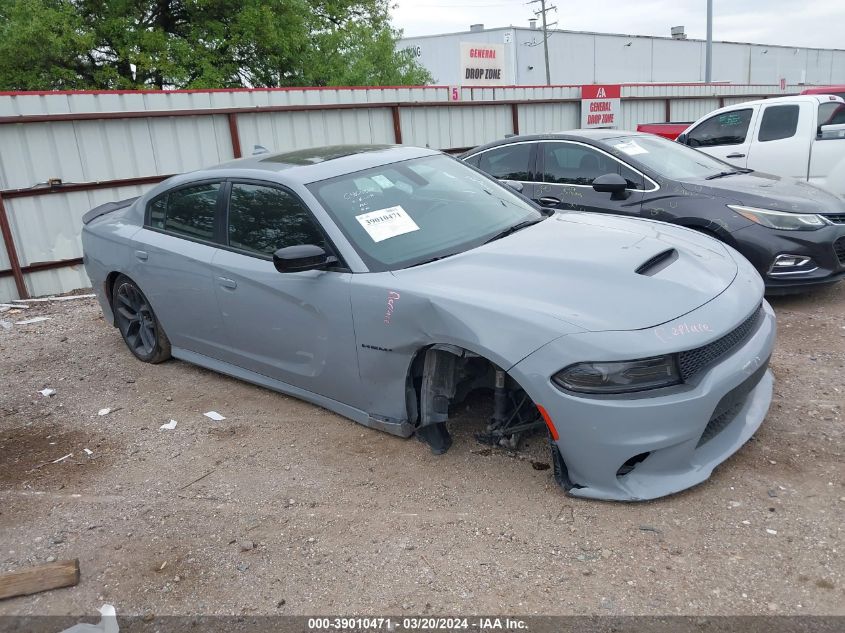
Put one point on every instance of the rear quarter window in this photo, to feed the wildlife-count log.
(189, 211)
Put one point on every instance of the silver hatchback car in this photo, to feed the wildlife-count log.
(386, 283)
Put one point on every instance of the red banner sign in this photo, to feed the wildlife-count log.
(601, 105)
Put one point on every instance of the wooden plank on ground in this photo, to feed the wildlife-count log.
(22, 582)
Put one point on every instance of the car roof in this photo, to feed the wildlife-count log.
(319, 163)
(603, 134)
(802, 98)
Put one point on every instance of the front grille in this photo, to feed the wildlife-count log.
(839, 247)
(838, 218)
(693, 361)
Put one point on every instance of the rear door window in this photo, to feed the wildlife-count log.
(727, 128)
(509, 162)
(189, 211)
(778, 122)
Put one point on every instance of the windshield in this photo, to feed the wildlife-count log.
(831, 113)
(668, 158)
(405, 213)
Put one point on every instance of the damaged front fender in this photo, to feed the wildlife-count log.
(394, 326)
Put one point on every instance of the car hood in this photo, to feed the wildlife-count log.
(757, 189)
(581, 269)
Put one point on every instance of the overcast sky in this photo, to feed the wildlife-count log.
(814, 23)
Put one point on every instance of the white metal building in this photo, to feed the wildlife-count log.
(601, 58)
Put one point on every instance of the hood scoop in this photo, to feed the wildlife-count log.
(655, 264)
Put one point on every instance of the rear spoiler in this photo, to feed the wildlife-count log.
(108, 207)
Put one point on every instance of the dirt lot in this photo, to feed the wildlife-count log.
(285, 508)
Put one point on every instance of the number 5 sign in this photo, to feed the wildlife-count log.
(454, 93)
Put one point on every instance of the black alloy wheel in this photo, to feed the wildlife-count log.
(137, 322)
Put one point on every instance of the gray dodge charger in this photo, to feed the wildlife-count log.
(387, 283)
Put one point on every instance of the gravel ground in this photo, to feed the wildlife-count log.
(285, 508)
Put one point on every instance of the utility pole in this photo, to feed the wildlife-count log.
(542, 13)
(708, 58)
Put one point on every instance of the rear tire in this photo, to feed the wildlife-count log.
(137, 322)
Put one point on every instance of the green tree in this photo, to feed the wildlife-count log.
(129, 44)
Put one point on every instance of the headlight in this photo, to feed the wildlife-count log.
(619, 377)
(780, 219)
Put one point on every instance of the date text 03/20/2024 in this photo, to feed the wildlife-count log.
(417, 624)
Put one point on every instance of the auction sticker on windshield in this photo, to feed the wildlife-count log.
(386, 223)
(632, 148)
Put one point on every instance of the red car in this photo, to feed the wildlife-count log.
(666, 130)
(839, 91)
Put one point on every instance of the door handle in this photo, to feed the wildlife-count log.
(142, 255)
(549, 201)
(231, 284)
(735, 156)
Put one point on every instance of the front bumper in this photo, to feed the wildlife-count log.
(825, 246)
(654, 443)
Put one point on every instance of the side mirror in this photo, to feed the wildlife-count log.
(682, 138)
(513, 184)
(836, 130)
(613, 184)
(294, 259)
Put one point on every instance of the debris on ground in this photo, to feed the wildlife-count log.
(23, 582)
(32, 320)
(214, 416)
(51, 299)
(47, 392)
(169, 426)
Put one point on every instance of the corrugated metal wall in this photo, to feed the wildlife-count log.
(458, 126)
(689, 110)
(291, 130)
(85, 151)
(549, 117)
(189, 130)
(77, 102)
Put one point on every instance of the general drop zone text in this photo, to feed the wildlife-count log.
(484, 73)
(603, 119)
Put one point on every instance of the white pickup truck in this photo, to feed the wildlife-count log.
(801, 136)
